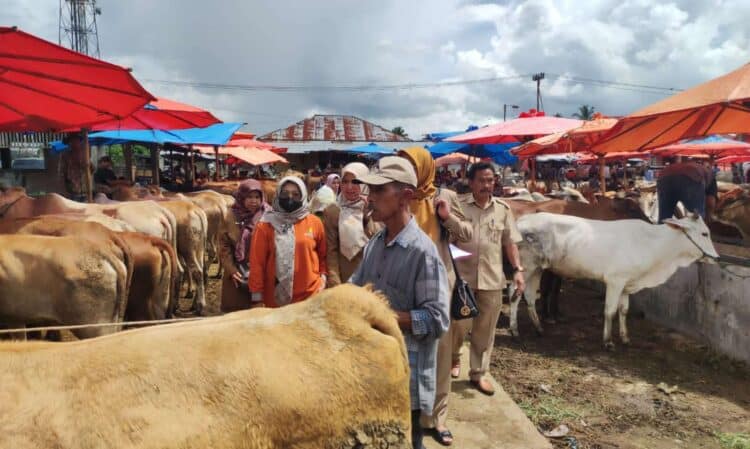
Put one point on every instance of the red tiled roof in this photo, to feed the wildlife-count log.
(334, 128)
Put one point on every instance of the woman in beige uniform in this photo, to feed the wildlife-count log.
(234, 244)
(348, 228)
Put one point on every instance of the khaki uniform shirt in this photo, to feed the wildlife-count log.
(493, 227)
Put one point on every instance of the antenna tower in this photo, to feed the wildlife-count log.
(78, 29)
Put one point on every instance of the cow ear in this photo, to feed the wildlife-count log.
(674, 223)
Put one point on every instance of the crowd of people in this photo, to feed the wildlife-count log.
(391, 227)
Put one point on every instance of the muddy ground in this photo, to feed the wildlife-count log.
(614, 399)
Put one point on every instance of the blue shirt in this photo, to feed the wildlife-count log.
(408, 270)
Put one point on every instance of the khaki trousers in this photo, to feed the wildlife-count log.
(482, 329)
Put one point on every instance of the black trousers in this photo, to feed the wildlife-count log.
(416, 430)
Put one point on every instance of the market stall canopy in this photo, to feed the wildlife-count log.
(252, 156)
(440, 136)
(525, 126)
(455, 158)
(572, 141)
(370, 148)
(715, 146)
(162, 114)
(212, 135)
(719, 106)
(588, 158)
(497, 152)
(733, 159)
(45, 87)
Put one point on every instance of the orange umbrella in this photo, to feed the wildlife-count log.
(455, 158)
(719, 106)
(714, 146)
(573, 141)
(253, 156)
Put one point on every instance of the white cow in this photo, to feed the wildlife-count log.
(627, 255)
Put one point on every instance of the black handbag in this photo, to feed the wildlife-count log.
(463, 302)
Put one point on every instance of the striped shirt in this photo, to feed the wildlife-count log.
(408, 270)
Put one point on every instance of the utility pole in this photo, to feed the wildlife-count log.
(538, 77)
(77, 29)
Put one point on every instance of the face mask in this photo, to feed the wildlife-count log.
(289, 204)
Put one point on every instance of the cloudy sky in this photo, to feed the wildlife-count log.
(318, 44)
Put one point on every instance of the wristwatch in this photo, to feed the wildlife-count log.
(518, 270)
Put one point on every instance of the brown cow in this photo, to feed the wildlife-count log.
(152, 294)
(64, 280)
(329, 372)
(733, 209)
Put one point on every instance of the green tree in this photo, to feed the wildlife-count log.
(399, 131)
(585, 112)
(557, 114)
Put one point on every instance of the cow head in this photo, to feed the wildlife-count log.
(629, 208)
(697, 233)
(732, 210)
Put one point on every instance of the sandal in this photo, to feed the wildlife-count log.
(444, 437)
(456, 369)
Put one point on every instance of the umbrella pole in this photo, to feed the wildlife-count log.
(602, 185)
(127, 150)
(625, 175)
(155, 164)
(532, 165)
(216, 156)
(87, 162)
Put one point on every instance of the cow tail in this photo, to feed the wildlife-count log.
(123, 290)
(169, 261)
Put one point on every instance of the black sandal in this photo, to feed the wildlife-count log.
(445, 437)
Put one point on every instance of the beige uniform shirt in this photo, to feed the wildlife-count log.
(493, 226)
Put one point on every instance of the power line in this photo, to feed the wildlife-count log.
(615, 84)
(355, 88)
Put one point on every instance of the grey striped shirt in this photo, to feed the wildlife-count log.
(408, 270)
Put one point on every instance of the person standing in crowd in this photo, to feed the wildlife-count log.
(347, 225)
(333, 181)
(288, 260)
(235, 237)
(439, 215)
(691, 183)
(402, 262)
(104, 176)
(494, 231)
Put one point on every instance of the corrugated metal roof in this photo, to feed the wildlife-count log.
(334, 128)
(294, 147)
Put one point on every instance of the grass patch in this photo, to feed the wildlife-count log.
(549, 411)
(733, 440)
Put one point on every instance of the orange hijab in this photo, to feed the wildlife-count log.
(422, 206)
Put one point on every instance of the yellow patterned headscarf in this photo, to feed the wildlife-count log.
(422, 206)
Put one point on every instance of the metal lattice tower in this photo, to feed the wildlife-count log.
(78, 29)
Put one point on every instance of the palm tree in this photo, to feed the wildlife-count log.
(585, 112)
(399, 131)
(557, 114)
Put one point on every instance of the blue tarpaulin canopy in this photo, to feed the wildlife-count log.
(217, 134)
(498, 152)
(371, 148)
(440, 136)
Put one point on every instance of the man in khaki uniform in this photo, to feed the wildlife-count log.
(494, 230)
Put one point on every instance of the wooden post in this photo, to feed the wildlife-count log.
(191, 173)
(602, 180)
(216, 155)
(625, 175)
(155, 164)
(87, 165)
(127, 151)
(532, 166)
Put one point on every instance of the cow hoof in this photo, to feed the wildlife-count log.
(189, 295)
(514, 334)
(197, 309)
(539, 332)
(625, 341)
(609, 346)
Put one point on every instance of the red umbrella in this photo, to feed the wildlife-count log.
(45, 87)
(713, 146)
(162, 114)
(531, 124)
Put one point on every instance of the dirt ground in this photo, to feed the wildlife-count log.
(663, 391)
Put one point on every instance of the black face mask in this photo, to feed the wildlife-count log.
(289, 204)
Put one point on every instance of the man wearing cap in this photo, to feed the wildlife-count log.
(402, 262)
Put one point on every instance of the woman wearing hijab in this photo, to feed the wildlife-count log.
(334, 182)
(348, 228)
(234, 244)
(439, 214)
(288, 260)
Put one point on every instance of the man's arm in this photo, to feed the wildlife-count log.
(452, 216)
(430, 318)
